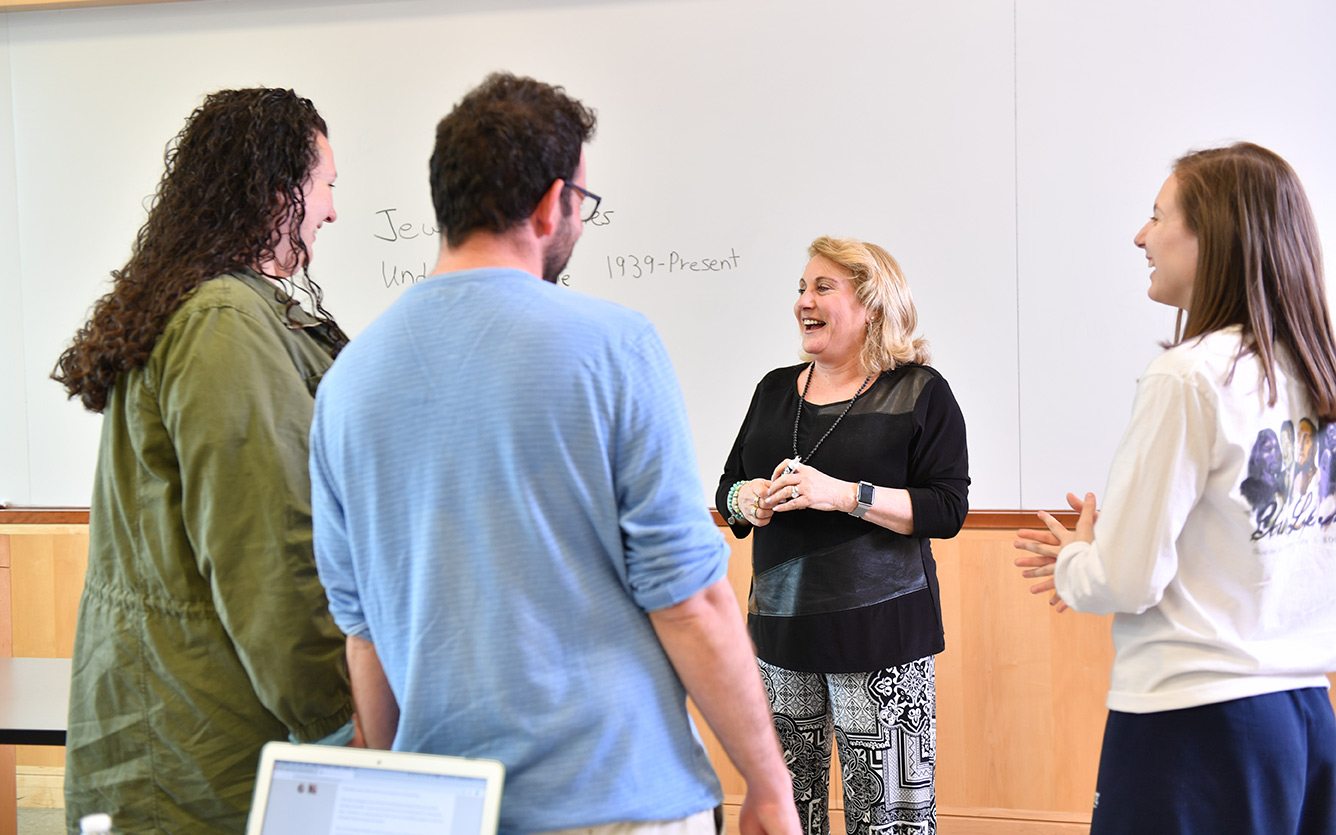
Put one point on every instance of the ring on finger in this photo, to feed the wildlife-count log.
(795, 491)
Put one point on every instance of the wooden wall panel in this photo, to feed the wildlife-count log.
(739, 577)
(1016, 700)
(1082, 657)
(1020, 689)
(47, 575)
(952, 728)
(8, 784)
(8, 792)
(47, 565)
(1002, 665)
(6, 625)
(1003, 741)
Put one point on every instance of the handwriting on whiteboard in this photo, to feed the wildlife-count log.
(391, 227)
(639, 266)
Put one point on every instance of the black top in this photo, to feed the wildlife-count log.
(830, 592)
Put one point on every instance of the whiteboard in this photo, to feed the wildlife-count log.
(14, 411)
(1108, 95)
(1004, 152)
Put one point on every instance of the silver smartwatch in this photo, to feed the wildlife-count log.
(863, 496)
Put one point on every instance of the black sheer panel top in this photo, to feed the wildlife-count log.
(830, 592)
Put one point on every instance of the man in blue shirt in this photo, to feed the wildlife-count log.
(509, 523)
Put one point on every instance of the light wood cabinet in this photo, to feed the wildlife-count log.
(1020, 697)
(46, 575)
(1020, 689)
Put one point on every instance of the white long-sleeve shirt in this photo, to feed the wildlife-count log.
(1215, 545)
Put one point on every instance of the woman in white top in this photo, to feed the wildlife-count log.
(1214, 549)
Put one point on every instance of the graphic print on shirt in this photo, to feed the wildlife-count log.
(1291, 485)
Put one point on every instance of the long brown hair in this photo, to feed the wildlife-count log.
(1259, 264)
(234, 178)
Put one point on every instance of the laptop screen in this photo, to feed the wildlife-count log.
(352, 798)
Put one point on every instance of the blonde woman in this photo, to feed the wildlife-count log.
(846, 465)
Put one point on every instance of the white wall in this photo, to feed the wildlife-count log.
(741, 126)
(13, 384)
(1005, 152)
(1108, 95)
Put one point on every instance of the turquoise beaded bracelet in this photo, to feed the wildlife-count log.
(735, 512)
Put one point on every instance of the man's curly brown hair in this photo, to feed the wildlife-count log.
(234, 178)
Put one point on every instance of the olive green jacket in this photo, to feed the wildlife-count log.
(203, 629)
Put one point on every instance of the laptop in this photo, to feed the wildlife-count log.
(330, 790)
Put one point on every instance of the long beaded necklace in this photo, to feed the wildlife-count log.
(811, 372)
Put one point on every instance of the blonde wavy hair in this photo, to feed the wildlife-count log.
(880, 286)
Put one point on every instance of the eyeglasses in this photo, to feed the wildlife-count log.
(588, 202)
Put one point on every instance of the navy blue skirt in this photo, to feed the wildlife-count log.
(1264, 765)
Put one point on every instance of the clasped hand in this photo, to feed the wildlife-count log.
(795, 486)
(1046, 544)
(792, 487)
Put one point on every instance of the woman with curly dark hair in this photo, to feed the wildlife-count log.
(203, 629)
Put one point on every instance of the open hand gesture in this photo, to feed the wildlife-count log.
(1046, 544)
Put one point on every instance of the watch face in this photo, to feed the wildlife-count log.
(864, 493)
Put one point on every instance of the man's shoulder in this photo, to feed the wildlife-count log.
(494, 283)
(513, 316)
(603, 312)
(580, 318)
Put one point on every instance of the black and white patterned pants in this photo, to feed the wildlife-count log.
(886, 726)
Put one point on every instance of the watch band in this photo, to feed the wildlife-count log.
(863, 495)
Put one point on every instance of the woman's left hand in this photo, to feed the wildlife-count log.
(1045, 545)
(806, 488)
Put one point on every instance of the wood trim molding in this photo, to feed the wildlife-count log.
(43, 515)
(982, 519)
(1016, 518)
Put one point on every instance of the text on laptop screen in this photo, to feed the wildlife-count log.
(347, 800)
